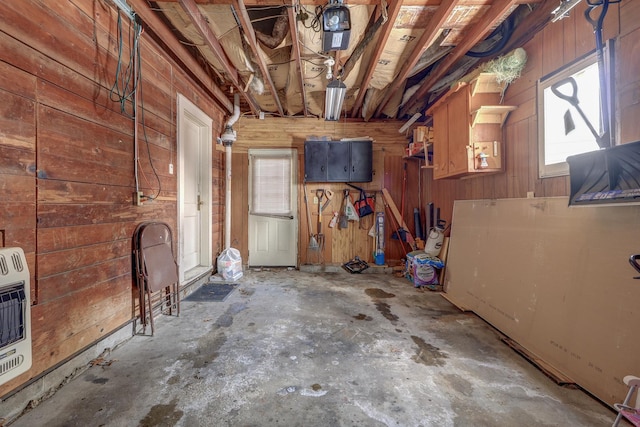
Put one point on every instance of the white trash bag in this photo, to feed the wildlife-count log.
(230, 264)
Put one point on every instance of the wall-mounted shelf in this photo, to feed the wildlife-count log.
(467, 123)
(486, 83)
(496, 114)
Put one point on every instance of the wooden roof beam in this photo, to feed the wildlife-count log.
(200, 22)
(313, 3)
(155, 24)
(247, 27)
(479, 31)
(430, 34)
(392, 14)
(293, 28)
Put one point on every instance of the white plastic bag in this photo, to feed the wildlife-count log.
(230, 264)
(352, 215)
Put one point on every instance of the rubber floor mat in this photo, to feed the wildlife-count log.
(212, 292)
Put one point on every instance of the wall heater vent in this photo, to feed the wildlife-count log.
(15, 314)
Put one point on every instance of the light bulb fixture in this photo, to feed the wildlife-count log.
(334, 98)
(329, 63)
(336, 25)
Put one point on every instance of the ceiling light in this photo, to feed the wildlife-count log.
(334, 98)
(336, 21)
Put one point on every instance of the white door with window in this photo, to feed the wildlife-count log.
(194, 192)
(273, 221)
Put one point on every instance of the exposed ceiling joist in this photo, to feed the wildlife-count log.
(159, 28)
(478, 32)
(533, 23)
(430, 34)
(296, 53)
(440, 33)
(392, 14)
(324, 2)
(200, 22)
(247, 27)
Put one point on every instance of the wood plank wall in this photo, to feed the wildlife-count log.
(340, 245)
(67, 168)
(558, 44)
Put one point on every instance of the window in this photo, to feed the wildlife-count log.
(271, 185)
(562, 131)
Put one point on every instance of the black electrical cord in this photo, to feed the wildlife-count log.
(123, 88)
(506, 29)
(128, 80)
(144, 127)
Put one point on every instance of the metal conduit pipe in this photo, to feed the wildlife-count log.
(228, 137)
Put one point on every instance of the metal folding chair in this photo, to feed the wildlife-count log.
(631, 413)
(156, 271)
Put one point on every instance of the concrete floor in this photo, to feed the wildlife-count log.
(289, 348)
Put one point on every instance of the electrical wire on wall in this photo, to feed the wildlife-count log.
(124, 85)
(127, 89)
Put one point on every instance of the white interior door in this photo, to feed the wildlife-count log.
(191, 219)
(194, 193)
(273, 220)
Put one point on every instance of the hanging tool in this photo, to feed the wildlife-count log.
(320, 236)
(313, 243)
(343, 221)
(329, 195)
(603, 138)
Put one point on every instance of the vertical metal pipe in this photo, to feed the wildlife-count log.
(227, 198)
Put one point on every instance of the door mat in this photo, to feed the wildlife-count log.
(211, 292)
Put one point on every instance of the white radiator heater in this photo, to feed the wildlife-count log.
(15, 314)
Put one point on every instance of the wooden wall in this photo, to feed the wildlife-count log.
(340, 245)
(67, 168)
(558, 44)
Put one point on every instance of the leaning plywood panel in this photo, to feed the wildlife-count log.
(554, 279)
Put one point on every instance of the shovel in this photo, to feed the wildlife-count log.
(320, 236)
(313, 243)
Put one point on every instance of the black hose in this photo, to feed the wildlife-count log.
(506, 29)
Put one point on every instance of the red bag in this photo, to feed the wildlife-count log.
(365, 205)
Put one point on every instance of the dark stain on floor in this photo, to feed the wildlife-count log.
(207, 350)
(378, 293)
(162, 416)
(247, 292)
(226, 319)
(96, 380)
(428, 354)
(316, 387)
(362, 316)
(385, 310)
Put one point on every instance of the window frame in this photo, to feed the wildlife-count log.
(562, 168)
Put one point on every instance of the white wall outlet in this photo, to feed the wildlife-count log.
(170, 168)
